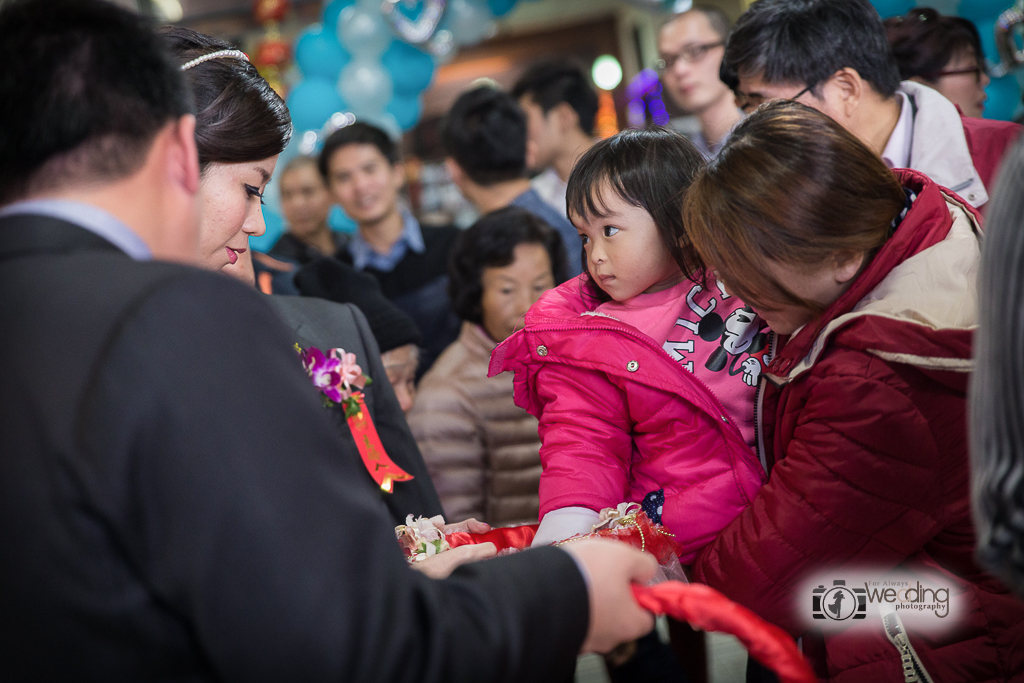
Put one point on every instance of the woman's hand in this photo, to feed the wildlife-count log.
(471, 526)
(441, 566)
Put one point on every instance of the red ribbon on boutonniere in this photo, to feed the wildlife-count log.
(335, 375)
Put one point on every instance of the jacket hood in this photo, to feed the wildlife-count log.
(916, 302)
(948, 162)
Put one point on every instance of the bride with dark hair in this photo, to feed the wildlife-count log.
(242, 126)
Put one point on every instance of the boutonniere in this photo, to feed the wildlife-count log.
(340, 380)
(335, 375)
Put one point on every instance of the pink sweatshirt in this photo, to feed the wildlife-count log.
(709, 333)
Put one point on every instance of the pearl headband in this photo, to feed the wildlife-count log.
(237, 54)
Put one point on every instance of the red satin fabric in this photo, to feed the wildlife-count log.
(706, 608)
(694, 603)
(518, 537)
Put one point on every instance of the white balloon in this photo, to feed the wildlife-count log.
(471, 21)
(365, 86)
(385, 121)
(442, 47)
(363, 31)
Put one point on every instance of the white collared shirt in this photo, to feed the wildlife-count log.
(897, 150)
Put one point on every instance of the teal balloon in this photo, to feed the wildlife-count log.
(983, 9)
(892, 8)
(500, 8)
(332, 11)
(1003, 98)
(406, 110)
(319, 54)
(411, 69)
(312, 102)
(987, 31)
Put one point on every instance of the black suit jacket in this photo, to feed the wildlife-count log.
(328, 325)
(167, 513)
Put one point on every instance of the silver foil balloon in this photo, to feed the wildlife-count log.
(422, 29)
(1009, 24)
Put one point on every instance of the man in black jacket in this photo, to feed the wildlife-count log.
(166, 512)
(363, 169)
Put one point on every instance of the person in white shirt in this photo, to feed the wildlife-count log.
(560, 107)
(833, 55)
(690, 49)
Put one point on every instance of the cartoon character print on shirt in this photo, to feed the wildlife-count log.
(740, 332)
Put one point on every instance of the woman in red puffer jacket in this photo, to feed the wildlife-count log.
(868, 280)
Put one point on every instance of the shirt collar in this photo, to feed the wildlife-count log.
(897, 150)
(411, 238)
(89, 217)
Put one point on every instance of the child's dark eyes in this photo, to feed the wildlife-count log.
(610, 230)
(584, 239)
(254, 192)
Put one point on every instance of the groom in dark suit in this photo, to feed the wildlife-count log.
(165, 511)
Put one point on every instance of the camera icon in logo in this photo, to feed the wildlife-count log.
(839, 603)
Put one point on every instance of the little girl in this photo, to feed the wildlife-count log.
(643, 381)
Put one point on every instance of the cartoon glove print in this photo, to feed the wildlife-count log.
(751, 371)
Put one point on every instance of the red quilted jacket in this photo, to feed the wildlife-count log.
(619, 418)
(988, 141)
(865, 430)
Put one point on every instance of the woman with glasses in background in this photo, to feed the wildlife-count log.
(943, 53)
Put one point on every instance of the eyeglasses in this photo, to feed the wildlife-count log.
(691, 54)
(976, 70)
(749, 103)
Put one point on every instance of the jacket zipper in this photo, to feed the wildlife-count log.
(762, 386)
(913, 669)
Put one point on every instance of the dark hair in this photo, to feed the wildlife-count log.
(73, 107)
(298, 162)
(491, 243)
(485, 133)
(239, 116)
(550, 83)
(335, 280)
(997, 385)
(716, 17)
(807, 41)
(790, 185)
(357, 133)
(924, 42)
(650, 169)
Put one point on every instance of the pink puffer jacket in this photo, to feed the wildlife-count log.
(619, 418)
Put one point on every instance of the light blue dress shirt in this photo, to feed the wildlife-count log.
(364, 256)
(89, 217)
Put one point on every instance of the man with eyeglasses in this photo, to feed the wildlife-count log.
(690, 49)
(834, 56)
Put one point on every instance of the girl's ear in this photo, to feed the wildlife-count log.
(847, 264)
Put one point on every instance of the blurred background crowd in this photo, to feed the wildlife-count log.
(338, 61)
